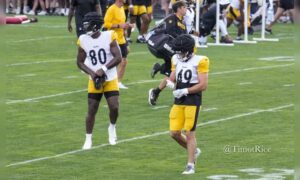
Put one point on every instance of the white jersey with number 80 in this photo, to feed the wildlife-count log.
(98, 52)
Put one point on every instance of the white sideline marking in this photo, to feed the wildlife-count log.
(63, 103)
(278, 58)
(27, 75)
(41, 39)
(39, 62)
(146, 81)
(289, 85)
(245, 83)
(154, 134)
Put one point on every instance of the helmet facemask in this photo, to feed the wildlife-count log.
(92, 23)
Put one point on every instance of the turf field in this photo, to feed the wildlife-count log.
(245, 129)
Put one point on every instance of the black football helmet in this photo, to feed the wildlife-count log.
(184, 46)
(92, 22)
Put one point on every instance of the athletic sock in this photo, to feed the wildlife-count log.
(112, 125)
(88, 136)
(157, 91)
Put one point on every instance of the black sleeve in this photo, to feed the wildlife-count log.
(171, 27)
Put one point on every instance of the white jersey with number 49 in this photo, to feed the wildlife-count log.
(98, 52)
(187, 71)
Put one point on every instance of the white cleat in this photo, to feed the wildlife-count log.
(87, 145)
(112, 135)
(189, 170)
(31, 13)
(122, 86)
(42, 13)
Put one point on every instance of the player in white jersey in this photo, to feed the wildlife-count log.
(98, 56)
(190, 72)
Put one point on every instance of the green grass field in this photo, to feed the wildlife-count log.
(249, 104)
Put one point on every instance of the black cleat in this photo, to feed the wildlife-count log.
(152, 97)
(156, 68)
(268, 31)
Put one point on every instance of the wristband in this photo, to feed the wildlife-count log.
(104, 68)
(118, 25)
(130, 6)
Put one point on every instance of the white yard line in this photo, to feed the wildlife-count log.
(153, 135)
(146, 81)
(245, 83)
(44, 97)
(70, 77)
(42, 39)
(40, 62)
(63, 103)
(209, 109)
(289, 85)
(278, 58)
(160, 107)
(27, 75)
(251, 69)
(62, 60)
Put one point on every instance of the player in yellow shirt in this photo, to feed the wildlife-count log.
(138, 8)
(189, 78)
(115, 19)
(98, 55)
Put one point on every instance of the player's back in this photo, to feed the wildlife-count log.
(98, 51)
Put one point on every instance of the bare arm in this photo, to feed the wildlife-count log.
(172, 77)
(203, 79)
(70, 17)
(80, 62)
(116, 52)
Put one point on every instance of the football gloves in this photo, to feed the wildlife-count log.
(170, 84)
(99, 80)
(180, 93)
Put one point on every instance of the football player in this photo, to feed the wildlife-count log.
(189, 78)
(98, 56)
(236, 13)
(284, 5)
(173, 27)
(138, 8)
(208, 22)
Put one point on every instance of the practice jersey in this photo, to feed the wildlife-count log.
(98, 52)
(175, 26)
(115, 15)
(187, 76)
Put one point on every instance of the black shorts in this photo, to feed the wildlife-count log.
(286, 4)
(124, 50)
